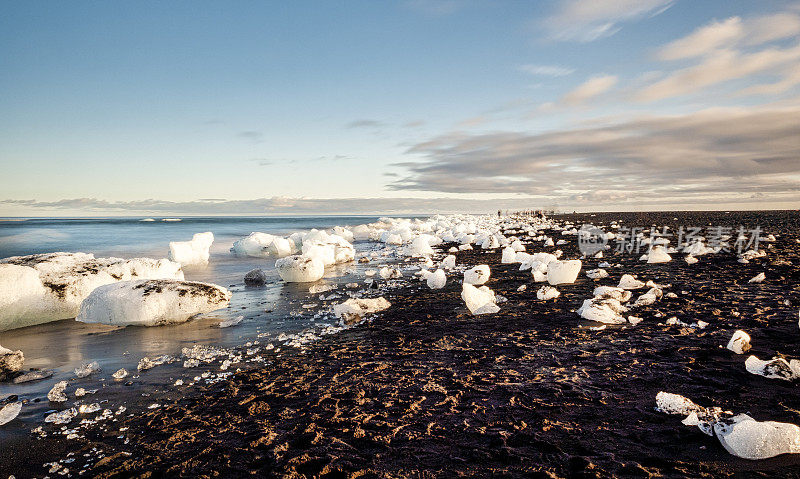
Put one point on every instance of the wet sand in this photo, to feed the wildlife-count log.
(425, 389)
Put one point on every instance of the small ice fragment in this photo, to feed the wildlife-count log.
(477, 275)
(547, 292)
(758, 278)
(563, 272)
(86, 369)
(120, 374)
(231, 322)
(629, 282)
(436, 280)
(56, 394)
(739, 342)
(62, 417)
(479, 300)
(9, 412)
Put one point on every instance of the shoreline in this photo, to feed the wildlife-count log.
(425, 388)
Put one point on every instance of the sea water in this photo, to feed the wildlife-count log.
(268, 311)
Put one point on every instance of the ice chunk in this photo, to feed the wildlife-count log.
(739, 342)
(547, 292)
(47, 287)
(691, 259)
(56, 394)
(9, 412)
(121, 373)
(255, 245)
(509, 255)
(151, 302)
(390, 273)
(195, 251)
(449, 262)
(280, 247)
(648, 298)
(563, 272)
(436, 280)
(602, 310)
(629, 282)
(300, 269)
(658, 254)
(612, 292)
(747, 438)
(479, 300)
(33, 376)
(597, 274)
(420, 247)
(676, 404)
(62, 417)
(10, 363)
(146, 363)
(757, 278)
(231, 322)
(86, 369)
(352, 310)
(477, 275)
(776, 368)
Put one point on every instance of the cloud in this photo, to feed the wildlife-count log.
(703, 40)
(790, 80)
(252, 135)
(547, 70)
(731, 49)
(719, 153)
(589, 20)
(590, 89)
(365, 123)
(724, 65)
(730, 33)
(271, 206)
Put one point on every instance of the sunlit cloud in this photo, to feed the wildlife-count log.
(734, 152)
(589, 20)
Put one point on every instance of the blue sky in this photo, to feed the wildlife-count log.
(574, 104)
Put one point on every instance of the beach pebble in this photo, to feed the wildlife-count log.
(255, 277)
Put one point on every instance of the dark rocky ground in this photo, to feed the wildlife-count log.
(425, 389)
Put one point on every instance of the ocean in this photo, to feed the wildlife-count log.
(268, 311)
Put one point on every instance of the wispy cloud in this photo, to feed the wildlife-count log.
(731, 49)
(730, 33)
(724, 152)
(590, 89)
(589, 20)
(723, 66)
(547, 70)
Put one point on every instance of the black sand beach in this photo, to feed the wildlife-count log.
(425, 389)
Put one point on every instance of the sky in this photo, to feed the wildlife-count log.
(423, 106)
